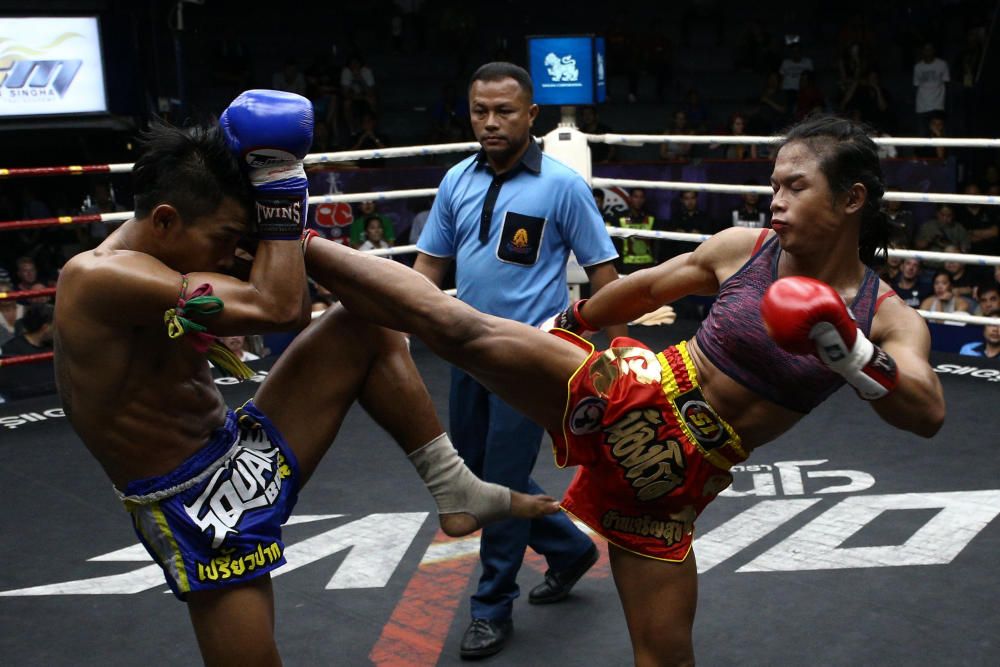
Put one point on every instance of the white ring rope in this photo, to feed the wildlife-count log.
(401, 151)
(742, 139)
(728, 188)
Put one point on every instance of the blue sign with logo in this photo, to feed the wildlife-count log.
(567, 70)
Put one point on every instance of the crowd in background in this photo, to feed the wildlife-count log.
(916, 79)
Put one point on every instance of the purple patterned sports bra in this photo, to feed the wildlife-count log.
(733, 337)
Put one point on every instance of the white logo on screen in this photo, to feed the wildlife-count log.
(600, 67)
(561, 68)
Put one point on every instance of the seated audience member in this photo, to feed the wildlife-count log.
(369, 137)
(944, 299)
(750, 213)
(910, 285)
(677, 151)
(981, 223)
(889, 271)
(963, 282)
(367, 209)
(34, 379)
(422, 209)
(737, 127)
(238, 345)
(689, 217)
(10, 313)
(942, 231)
(988, 300)
(357, 86)
(374, 234)
(935, 130)
(988, 347)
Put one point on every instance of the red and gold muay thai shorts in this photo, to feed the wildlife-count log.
(651, 451)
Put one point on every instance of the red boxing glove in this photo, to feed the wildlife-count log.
(806, 316)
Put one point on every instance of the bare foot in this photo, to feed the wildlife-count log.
(522, 506)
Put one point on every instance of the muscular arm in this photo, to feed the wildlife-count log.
(135, 289)
(602, 275)
(432, 268)
(697, 272)
(917, 403)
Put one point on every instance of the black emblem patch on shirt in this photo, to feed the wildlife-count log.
(520, 238)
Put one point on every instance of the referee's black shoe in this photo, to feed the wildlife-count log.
(485, 637)
(557, 585)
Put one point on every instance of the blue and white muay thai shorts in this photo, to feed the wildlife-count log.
(215, 520)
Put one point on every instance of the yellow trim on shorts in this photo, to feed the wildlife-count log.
(569, 395)
(161, 521)
(633, 551)
(670, 388)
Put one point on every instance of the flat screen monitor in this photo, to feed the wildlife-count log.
(567, 70)
(51, 66)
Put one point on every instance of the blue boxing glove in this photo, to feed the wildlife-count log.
(270, 132)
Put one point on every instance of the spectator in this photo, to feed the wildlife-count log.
(988, 347)
(368, 209)
(637, 252)
(934, 130)
(672, 150)
(357, 86)
(988, 299)
(963, 282)
(791, 71)
(290, 79)
(322, 298)
(889, 271)
(369, 137)
(450, 116)
(422, 206)
(10, 312)
(910, 284)
(591, 124)
(100, 200)
(902, 225)
(374, 234)
(852, 67)
(737, 127)
(659, 55)
(867, 96)
(810, 98)
(27, 274)
(609, 218)
(324, 91)
(930, 78)
(981, 223)
(697, 112)
(690, 218)
(944, 299)
(942, 231)
(238, 346)
(34, 379)
(772, 111)
(749, 213)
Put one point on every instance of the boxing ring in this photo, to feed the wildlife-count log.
(844, 542)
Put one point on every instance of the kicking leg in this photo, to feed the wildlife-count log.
(339, 359)
(659, 599)
(235, 626)
(526, 367)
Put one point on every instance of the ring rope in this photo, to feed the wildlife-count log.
(639, 139)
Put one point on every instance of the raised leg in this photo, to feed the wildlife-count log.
(526, 367)
(659, 599)
(235, 626)
(340, 359)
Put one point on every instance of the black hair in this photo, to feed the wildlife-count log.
(192, 169)
(501, 70)
(37, 315)
(847, 155)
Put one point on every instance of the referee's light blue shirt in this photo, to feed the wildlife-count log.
(510, 235)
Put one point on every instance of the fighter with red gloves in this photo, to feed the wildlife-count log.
(798, 313)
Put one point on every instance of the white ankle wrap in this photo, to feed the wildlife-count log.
(454, 487)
